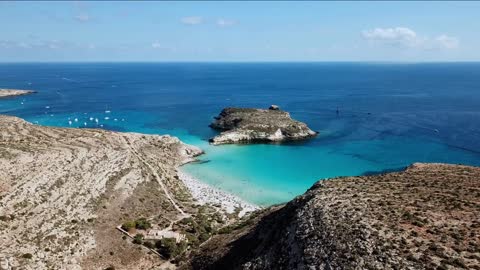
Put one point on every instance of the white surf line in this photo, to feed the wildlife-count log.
(158, 178)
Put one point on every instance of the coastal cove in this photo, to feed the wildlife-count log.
(390, 115)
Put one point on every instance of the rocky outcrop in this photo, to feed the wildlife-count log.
(426, 217)
(248, 125)
(14, 92)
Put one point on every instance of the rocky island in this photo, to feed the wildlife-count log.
(14, 92)
(249, 125)
(426, 217)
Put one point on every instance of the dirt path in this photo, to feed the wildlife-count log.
(158, 179)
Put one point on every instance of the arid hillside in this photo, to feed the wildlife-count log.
(426, 217)
(64, 191)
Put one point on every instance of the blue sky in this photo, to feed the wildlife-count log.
(239, 31)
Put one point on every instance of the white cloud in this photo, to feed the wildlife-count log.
(41, 44)
(54, 44)
(225, 22)
(83, 17)
(24, 45)
(162, 47)
(447, 41)
(407, 38)
(156, 45)
(398, 36)
(193, 20)
(7, 44)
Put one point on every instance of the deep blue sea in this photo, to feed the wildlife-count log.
(390, 115)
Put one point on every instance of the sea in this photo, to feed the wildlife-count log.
(371, 117)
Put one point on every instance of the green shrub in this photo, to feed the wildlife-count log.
(128, 225)
(186, 221)
(225, 230)
(192, 239)
(203, 236)
(168, 247)
(149, 244)
(138, 239)
(142, 224)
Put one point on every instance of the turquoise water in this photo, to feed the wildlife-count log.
(391, 115)
(267, 174)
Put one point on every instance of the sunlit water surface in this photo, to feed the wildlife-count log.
(390, 115)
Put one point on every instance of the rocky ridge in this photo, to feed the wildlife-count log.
(426, 217)
(248, 125)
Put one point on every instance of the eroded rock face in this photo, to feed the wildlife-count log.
(248, 125)
(426, 217)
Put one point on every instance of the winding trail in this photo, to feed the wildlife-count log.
(158, 178)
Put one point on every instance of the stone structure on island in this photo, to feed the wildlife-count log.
(250, 125)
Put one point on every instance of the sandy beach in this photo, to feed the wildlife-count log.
(206, 194)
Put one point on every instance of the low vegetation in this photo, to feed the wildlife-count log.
(139, 224)
(169, 248)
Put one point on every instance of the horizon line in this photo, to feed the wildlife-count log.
(239, 62)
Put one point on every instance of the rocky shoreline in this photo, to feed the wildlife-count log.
(14, 92)
(249, 125)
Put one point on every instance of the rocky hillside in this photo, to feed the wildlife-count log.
(427, 217)
(244, 125)
(64, 191)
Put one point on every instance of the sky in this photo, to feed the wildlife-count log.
(125, 31)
